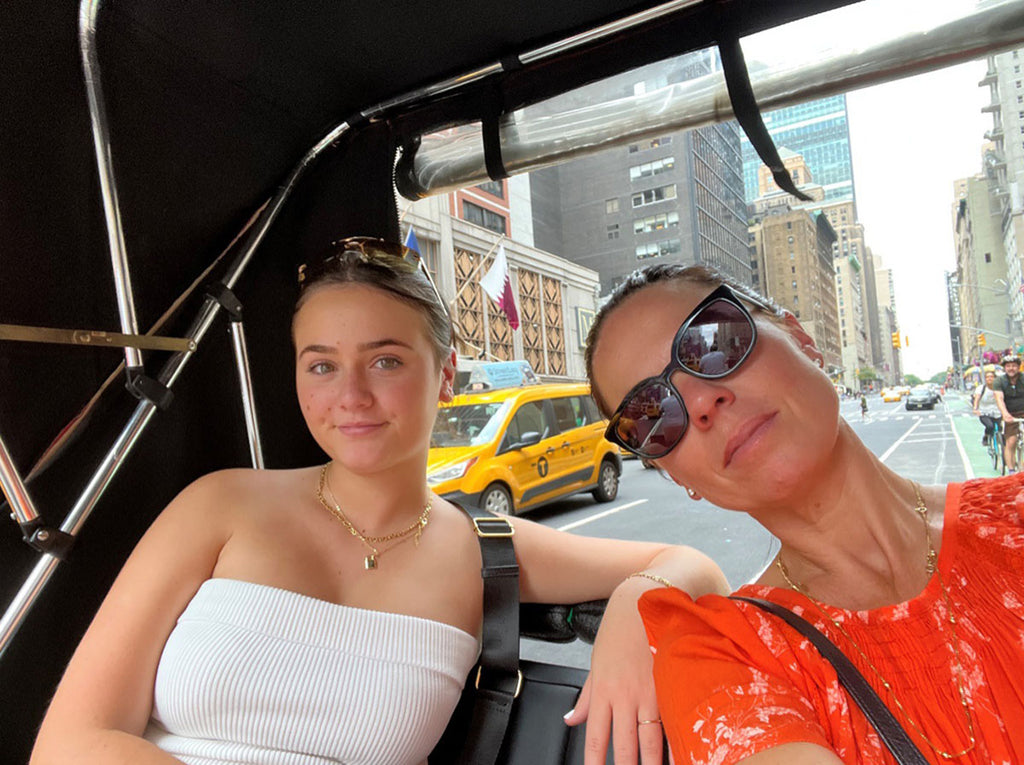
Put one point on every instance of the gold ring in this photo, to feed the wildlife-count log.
(649, 722)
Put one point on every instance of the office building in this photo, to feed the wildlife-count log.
(986, 322)
(792, 250)
(671, 198)
(818, 131)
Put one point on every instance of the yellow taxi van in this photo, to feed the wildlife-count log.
(515, 448)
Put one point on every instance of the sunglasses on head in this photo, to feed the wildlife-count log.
(712, 342)
(367, 249)
(375, 252)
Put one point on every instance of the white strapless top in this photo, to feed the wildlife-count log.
(256, 674)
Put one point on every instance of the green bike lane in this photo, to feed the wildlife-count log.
(968, 430)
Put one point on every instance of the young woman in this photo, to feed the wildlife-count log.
(331, 614)
(986, 408)
(921, 587)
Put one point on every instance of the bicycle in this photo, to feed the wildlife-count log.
(995, 450)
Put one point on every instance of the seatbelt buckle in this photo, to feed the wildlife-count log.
(490, 526)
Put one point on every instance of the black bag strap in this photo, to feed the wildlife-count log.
(498, 679)
(878, 714)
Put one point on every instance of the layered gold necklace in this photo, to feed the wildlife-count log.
(414, 531)
(931, 566)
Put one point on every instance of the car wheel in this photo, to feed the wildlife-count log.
(607, 482)
(497, 499)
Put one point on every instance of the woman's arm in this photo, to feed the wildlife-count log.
(103, 703)
(565, 568)
(1001, 403)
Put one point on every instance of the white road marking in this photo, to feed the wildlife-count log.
(968, 470)
(899, 441)
(597, 516)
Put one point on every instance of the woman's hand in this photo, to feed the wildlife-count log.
(618, 697)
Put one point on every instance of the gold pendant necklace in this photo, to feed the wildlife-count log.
(931, 566)
(370, 542)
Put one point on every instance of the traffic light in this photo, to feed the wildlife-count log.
(981, 338)
(895, 339)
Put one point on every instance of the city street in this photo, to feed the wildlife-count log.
(938, 446)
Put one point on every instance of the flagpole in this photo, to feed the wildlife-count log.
(479, 265)
(478, 348)
(410, 239)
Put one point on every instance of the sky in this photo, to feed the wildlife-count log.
(910, 140)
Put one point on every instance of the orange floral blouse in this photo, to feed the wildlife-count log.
(733, 680)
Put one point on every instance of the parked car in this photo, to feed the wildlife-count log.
(517, 448)
(922, 397)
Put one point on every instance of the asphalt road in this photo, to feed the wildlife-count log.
(938, 446)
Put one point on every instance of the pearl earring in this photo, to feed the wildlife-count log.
(693, 494)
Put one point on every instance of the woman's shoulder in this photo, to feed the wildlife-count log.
(989, 509)
(222, 492)
(671, 615)
(1001, 497)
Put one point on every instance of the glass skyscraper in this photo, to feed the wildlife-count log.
(819, 131)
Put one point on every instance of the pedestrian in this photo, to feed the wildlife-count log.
(986, 408)
(331, 613)
(1009, 390)
(922, 587)
(863, 406)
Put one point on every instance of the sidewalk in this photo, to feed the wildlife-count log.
(968, 430)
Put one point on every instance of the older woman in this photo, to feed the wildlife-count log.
(919, 586)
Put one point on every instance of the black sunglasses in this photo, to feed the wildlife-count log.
(712, 342)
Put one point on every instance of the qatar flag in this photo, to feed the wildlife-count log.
(498, 284)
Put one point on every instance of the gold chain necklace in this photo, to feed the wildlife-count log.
(370, 542)
(931, 566)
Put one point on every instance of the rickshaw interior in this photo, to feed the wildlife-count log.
(167, 166)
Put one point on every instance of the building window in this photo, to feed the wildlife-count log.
(648, 169)
(988, 257)
(792, 269)
(790, 240)
(650, 196)
(611, 206)
(656, 222)
(658, 249)
(613, 231)
(482, 217)
(654, 143)
(494, 188)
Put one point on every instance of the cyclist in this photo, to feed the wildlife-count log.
(1009, 392)
(985, 407)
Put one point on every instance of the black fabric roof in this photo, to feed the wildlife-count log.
(211, 103)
